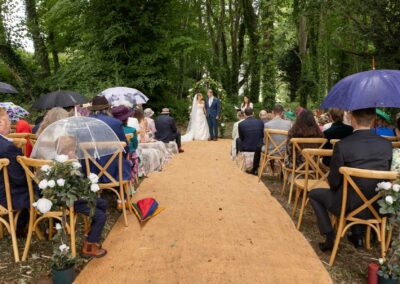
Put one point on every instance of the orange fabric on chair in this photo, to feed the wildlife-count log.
(23, 126)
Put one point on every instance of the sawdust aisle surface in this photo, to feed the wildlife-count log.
(219, 226)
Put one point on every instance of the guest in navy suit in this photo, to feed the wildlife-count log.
(213, 111)
(166, 129)
(101, 110)
(251, 136)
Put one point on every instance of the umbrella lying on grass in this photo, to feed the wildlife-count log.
(369, 89)
(7, 88)
(118, 94)
(14, 111)
(59, 99)
(146, 208)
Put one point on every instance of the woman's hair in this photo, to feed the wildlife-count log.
(138, 115)
(247, 105)
(53, 115)
(305, 126)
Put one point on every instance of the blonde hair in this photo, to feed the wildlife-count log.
(53, 115)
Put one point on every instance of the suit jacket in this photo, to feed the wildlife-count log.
(215, 109)
(166, 128)
(117, 127)
(18, 184)
(338, 130)
(251, 134)
(363, 150)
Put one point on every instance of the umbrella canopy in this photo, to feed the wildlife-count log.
(59, 99)
(7, 88)
(146, 208)
(369, 89)
(14, 112)
(117, 95)
(68, 136)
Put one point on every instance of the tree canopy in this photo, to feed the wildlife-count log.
(290, 51)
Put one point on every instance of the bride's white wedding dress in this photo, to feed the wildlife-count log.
(198, 126)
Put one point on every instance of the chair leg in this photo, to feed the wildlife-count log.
(368, 238)
(291, 187)
(303, 206)
(51, 226)
(1, 231)
(389, 237)
(383, 237)
(285, 179)
(263, 164)
(13, 236)
(129, 198)
(122, 198)
(296, 201)
(32, 217)
(337, 241)
(72, 231)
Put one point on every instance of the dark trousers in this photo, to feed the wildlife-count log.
(257, 153)
(213, 126)
(321, 202)
(178, 139)
(98, 219)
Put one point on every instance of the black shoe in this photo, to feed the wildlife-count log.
(356, 240)
(326, 246)
(251, 172)
(215, 139)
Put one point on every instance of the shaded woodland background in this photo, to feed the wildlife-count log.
(290, 51)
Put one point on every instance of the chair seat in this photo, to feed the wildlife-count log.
(312, 184)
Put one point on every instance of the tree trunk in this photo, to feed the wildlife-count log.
(41, 53)
(54, 52)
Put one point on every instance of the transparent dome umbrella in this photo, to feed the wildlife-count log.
(69, 136)
(118, 94)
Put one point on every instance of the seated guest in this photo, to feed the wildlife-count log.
(364, 150)
(383, 122)
(305, 126)
(235, 133)
(264, 116)
(338, 130)
(397, 130)
(151, 127)
(17, 179)
(166, 129)
(251, 135)
(23, 126)
(101, 110)
(53, 115)
(144, 128)
(38, 121)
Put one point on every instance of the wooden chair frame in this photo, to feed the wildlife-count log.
(320, 180)
(122, 185)
(396, 144)
(31, 166)
(275, 154)
(391, 138)
(347, 220)
(20, 143)
(297, 147)
(11, 223)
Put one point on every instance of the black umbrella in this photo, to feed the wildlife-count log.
(59, 99)
(7, 88)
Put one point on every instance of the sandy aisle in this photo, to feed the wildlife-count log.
(219, 226)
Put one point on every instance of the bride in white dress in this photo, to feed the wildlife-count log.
(198, 126)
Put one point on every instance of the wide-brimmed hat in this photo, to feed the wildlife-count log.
(148, 112)
(99, 103)
(386, 117)
(121, 112)
(290, 115)
(165, 111)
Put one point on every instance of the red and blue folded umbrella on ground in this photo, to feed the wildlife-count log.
(146, 208)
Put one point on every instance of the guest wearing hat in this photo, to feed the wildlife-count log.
(166, 129)
(101, 110)
(151, 127)
(383, 124)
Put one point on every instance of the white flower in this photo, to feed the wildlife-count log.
(381, 261)
(386, 185)
(58, 227)
(95, 187)
(93, 178)
(76, 165)
(190, 90)
(396, 187)
(60, 182)
(43, 205)
(43, 184)
(389, 200)
(222, 124)
(63, 247)
(45, 168)
(62, 158)
(51, 183)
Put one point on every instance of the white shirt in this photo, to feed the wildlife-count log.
(210, 101)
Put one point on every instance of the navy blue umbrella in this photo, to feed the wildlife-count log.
(369, 89)
(59, 99)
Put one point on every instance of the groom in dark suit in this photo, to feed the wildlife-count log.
(213, 110)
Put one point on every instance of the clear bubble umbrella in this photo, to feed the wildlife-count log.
(69, 136)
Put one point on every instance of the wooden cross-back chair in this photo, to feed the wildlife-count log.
(319, 178)
(129, 137)
(277, 151)
(4, 211)
(349, 219)
(20, 143)
(298, 144)
(396, 144)
(117, 185)
(32, 167)
(33, 138)
(391, 138)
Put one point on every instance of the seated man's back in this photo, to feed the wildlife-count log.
(166, 128)
(251, 134)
